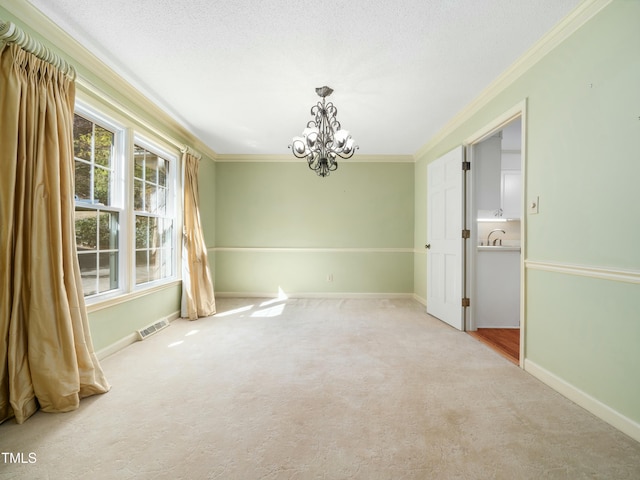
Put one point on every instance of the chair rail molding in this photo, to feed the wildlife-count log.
(603, 273)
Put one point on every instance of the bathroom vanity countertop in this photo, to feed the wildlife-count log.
(498, 248)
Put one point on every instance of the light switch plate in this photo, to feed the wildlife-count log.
(534, 206)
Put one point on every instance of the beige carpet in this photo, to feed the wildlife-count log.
(318, 389)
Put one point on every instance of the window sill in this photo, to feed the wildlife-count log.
(126, 297)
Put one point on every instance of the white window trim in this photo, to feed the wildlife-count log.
(127, 133)
(163, 151)
(118, 200)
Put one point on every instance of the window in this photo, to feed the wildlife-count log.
(96, 218)
(153, 216)
(125, 213)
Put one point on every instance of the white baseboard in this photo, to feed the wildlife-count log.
(586, 401)
(312, 295)
(117, 346)
(420, 299)
(128, 340)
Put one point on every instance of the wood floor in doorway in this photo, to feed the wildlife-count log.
(505, 341)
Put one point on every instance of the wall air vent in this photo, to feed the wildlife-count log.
(153, 328)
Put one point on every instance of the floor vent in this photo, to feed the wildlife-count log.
(153, 328)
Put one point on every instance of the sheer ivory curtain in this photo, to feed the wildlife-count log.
(197, 288)
(46, 354)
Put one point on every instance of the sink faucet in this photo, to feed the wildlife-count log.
(493, 231)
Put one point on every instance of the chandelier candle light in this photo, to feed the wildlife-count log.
(323, 140)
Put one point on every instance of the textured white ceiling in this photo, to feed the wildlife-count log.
(241, 74)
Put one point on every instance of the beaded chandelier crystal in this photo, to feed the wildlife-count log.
(323, 140)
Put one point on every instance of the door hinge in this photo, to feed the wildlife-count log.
(466, 302)
(466, 166)
(466, 233)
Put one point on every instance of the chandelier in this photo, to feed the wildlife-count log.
(323, 140)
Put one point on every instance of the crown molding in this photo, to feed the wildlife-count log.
(43, 29)
(104, 79)
(565, 28)
(240, 158)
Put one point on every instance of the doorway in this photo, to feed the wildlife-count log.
(495, 204)
(475, 281)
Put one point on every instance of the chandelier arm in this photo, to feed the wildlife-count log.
(348, 155)
(299, 155)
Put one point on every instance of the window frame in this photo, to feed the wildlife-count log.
(117, 204)
(128, 133)
(172, 202)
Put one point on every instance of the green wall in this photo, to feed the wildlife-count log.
(297, 272)
(280, 225)
(583, 128)
(586, 331)
(109, 325)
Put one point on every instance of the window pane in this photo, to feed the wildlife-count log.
(154, 232)
(82, 133)
(154, 265)
(166, 263)
(163, 166)
(161, 196)
(108, 272)
(151, 201)
(138, 195)
(86, 230)
(108, 236)
(142, 267)
(151, 168)
(101, 186)
(138, 166)
(167, 233)
(94, 153)
(88, 272)
(142, 232)
(83, 181)
(103, 146)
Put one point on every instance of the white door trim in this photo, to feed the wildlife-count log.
(518, 110)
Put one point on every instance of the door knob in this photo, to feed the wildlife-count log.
(427, 246)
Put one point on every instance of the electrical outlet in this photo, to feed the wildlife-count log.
(330, 277)
(534, 206)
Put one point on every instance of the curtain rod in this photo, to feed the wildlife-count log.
(11, 33)
(191, 151)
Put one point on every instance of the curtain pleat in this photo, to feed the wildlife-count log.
(198, 299)
(47, 359)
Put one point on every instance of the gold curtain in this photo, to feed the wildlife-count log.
(197, 288)
(46, 354)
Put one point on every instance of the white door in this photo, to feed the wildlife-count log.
(444, 238)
